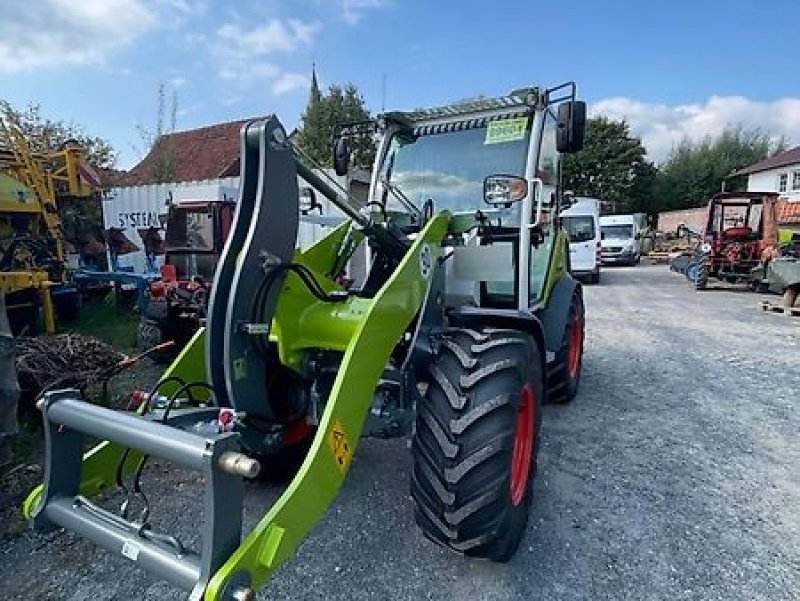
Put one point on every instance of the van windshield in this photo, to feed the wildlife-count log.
(580, 228)
(617, 232)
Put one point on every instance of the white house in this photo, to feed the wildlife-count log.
(779, 173)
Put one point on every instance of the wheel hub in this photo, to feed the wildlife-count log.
(575, 345)
(522, 451)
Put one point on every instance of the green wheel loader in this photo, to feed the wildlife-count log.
(465, 322)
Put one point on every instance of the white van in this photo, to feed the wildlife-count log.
(620, 239)
(582, 224)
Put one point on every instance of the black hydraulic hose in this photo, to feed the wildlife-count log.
(120, 481)
(137, 478)
(186, 388)
(151, 395)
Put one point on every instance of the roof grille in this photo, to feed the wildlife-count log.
(522, 100)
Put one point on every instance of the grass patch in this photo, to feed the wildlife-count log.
(108, 321)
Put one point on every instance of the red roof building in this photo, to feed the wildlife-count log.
(786, 158)
(197, 154)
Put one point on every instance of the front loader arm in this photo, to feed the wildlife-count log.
(275, 538)
(291, 298)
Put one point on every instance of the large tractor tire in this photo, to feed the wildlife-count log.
(564, 374)
(475, 443)
(701, 281)
(148, 335)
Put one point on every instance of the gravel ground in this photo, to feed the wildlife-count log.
(673, 474)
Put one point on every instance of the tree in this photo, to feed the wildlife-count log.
(694, 171)
(164, 162)
(81, 218)
(612, 167)
(340, 105)
(44, 134)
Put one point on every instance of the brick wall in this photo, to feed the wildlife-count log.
(669, 221)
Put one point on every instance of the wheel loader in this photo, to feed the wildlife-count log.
(466, 322)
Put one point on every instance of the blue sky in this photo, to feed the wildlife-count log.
(672, 69)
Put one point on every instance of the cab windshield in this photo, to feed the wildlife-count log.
(617, 232)
(190, 229)
(190, 242)
(449, 168)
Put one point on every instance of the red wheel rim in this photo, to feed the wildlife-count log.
(522, 451)
(575, 346)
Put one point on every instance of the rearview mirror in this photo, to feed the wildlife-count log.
(341, 156)
(308, 201)
(571, 126)
(504, 189)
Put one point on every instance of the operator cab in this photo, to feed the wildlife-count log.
(493, 164)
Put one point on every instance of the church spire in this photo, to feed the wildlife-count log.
(315, 94)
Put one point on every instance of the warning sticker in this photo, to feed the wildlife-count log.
(505, 130)
(342, 451)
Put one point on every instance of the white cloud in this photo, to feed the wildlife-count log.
(355, 10)
(186, 7)
(662, 126)
(289, 82)
(248, 72)
(274, 36)
(54, 33)
(241, 53)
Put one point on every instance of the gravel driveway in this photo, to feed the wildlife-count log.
(675, 474)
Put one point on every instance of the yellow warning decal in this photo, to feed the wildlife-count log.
(505, 130)
(342, 451)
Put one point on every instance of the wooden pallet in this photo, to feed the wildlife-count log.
(774, 308)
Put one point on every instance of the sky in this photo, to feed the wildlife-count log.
(672, 69)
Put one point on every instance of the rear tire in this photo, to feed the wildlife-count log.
(148, 335)
(564, 374)
(701, 283)
(476, 439)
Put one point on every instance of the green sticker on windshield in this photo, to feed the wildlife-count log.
(506, 130)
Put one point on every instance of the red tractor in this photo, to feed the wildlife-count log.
(195, 234)
(740, 237)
